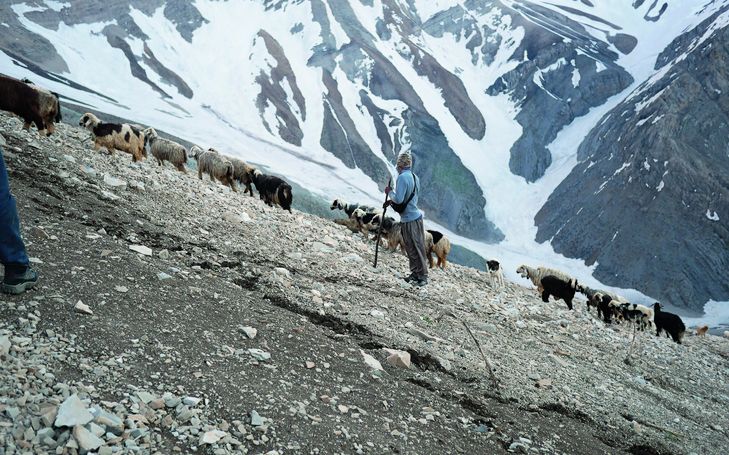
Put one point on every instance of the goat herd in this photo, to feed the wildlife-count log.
(610, 307)
(42, 107)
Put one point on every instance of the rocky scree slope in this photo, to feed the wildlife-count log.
(177, 272)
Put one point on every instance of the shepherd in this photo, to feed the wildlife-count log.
(404, 200)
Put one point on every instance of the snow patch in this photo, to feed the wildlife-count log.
(713, 216)
(575, 76)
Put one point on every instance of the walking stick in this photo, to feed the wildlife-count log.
(382, 221)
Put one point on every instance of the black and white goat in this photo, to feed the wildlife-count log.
(637, 314)
(339, 204)
(671, 323)
(349, 209)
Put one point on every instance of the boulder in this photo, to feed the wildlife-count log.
(73, 412)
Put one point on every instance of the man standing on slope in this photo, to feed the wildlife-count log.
(404, 200)
(18, 274)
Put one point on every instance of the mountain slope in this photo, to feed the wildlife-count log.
(172, 321)
(660, 186)
(493, 98)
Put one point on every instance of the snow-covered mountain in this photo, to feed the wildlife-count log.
(594, 128)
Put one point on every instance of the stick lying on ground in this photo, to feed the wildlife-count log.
(490, 369)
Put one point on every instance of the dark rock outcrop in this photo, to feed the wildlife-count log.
(543, 85)
(273, 93)
(649, 202)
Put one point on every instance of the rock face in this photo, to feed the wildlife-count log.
(557, 82)
(654, 179)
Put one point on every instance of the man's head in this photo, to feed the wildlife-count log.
(404, 161)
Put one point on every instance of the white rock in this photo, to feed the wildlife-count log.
(352, 258)
(163, 276)
(191, 401)
(371, 361)
(72, 412)
(163, 254)
(726, 334)
(256, 419)
(121, 288)
(141, 249)
(114, 182)
(250, 332)
(109, 196)
(321, 248)
(398, 359)
(282, 272)
(5, 345)
(146, 397)
(81, 307)
(211, 437)
(86, 439)
(377, 314)
(259, 354)
(2, 141)
(69, 158)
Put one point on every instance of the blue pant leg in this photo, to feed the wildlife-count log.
(12, 249)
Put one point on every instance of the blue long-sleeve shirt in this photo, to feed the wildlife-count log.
(403, 187)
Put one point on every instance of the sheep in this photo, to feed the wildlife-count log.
(607, 307)
(350, 221)
(273, 190)
(671, 323)
(494, 270)
(594, 302)
(30, 102)
(350, 208)
(536, 275)
(558, 287)
(243, 174)
(440, 246)
(166, 150)
(393, 235)
(214, 164)
(115, 136)
(366, 221)
(637, 314)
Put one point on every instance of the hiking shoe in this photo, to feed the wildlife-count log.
(17, 283)
(410, 278)
(420, 282)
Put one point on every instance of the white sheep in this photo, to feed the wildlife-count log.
(213, 164)
(166, 150)
(536, 275)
